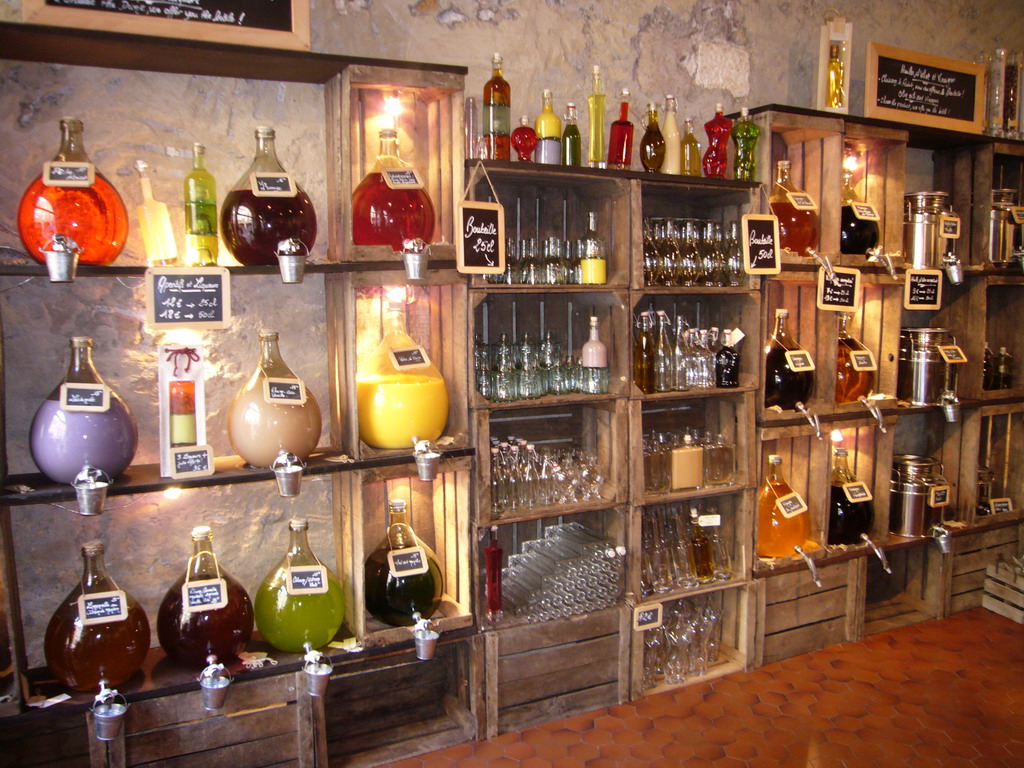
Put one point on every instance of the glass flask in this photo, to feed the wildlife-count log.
(652, 143)
(155, 224)
(92, 215)
(744, 138)
(393, 599)
(716, 157)
(620, 137)
(84, 646)
(784, 387)
(549, 133)
(727, 364)
(385, 216)
(200, 195)
(701, 550)
(851, 384)
(253, 222)
(496, 118)
(856, 235)
(190, 633)
(847, 520)
(524, 140)
(798, 229)
(690, 149)
(492, 564)
(673, 162)
(777, 531)
(595, 108)
(644, 352)
(572, 141)
(300, 601)
(62, 441)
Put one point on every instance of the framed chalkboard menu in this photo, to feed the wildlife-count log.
(263, 23)
(923, 89)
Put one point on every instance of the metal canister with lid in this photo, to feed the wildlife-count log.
(917, 499)
(924, 377)
(924, 245)
(1003, 230)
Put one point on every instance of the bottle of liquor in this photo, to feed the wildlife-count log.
(399, 392)
(593, 260)
(744, 138)
(255, 221)
(549, 133)
(385, 216)
(620, 139)
(778, 531)
(64, 437)
(182, 412)
(687, 462)
(572, 142)
(83, 647)
(595, 107)
(217, 619)
(989, 380)
(664, 368)
(690, 149)
(673, 162)
(90, 212)
(594, 357)
(644, 353)
(496, 112)
(201, 244)
(1004, 369)
(155, 224)
(524, 140)
(784, 387)
(836, 78)
(300, 600)
(652, 143)
(716, 158)
(856, 235)
(847, 520)
(851, 384)
(727, 364)
(492, 563)
(798, 229)
(262, 422)
(700, 550)
(394, 597)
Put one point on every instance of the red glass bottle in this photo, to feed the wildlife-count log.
(620, 139)
(524, 140)
(492, 558)
(716, 157)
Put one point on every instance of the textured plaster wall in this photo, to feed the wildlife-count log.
(704, 51)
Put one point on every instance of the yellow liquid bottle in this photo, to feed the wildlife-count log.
(155, 224)
(691, 150)
(595, 105)
(549, 134)
(836, 79)
(777, 532)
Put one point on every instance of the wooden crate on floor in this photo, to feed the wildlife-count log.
(972, 553)
(1004, 592)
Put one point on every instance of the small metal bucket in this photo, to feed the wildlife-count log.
(426, 643)
(291, 257)
(61, 258)
(214, 682)
(427, 465)
(288, 471)
(91, 490)
(415, 254)
(318, 675)
(108, 712)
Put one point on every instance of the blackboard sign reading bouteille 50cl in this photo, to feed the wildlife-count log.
(761, 244)
(480, 242)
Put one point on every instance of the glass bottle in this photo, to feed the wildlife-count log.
(189, 635)
(595, 107)
(594, 357)
(496, 107)
(524, 140)
(690, 149)
(200, 194)
(155, 224)
(385, 216)
(664, 369)
(744, 138)
(716, 157)
(253, 225)
(989, 380)
(851, 384)
(492, 561)
(593, 260)
(644, 353)
(182, 412)
(63, 441)
(397, 403)
(394, 599)
(549, 133)
(777, 534)
(836, 78)
(288, 615)
(259, 427)
(93, 216)
(783, 386)
(700, 550)
(572, 141)
(652, 143)
(80, 654)
(1004, 369)
(798, 230)
(673, 162)
(847, 520)
(727, 364)
(680, 355)
(856, 235)
(620, 139)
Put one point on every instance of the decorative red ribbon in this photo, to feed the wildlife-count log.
(191, 356)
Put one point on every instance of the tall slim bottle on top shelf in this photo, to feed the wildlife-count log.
(784, 387)
(572, 141)
(620, 140)
(595, 107)
(497, 120)
(673, 162)
(851, 384)
(200, 194)
(549, 133)
(155, 224)
(798, 228)
(778, 531)
(690, 149)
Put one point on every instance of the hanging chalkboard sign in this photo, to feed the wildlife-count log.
(480, 241)
(923, 289)
(410, 561)
(58, 174)
(188, 297)
(1000, 505)
(863, 360)
(284, 391)
(842, 292)
(791, 505)
(93, 398)
(272, 185)
(1018, 214)
(205, 595)
(857, 491)
(799, 360)
(952, 354)
(865, 211)
(647, 616)
(938, 496)
(402, 178)
(306, 580)
(761, 244)
(191, 461)
(102, 607)
(949, 226)
(409, 358)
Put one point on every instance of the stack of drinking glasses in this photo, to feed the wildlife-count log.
(686, 358)
(543, 261)
(680, 549)
(685, 459)
(686, 643)
(570, 571)
(524, 476)
(527, 369)
(688, 252)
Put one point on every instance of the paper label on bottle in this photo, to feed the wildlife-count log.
(204, 595)
(57, 174)
(863, 360)
(951, 353)
(402, 178)
(799, 360)
(410, 561)
(92, 398)
(1000, 505)
(865, 211)
(938, 496)
(857, 491)
(647, 616)
(949, 226)
(791, 505)
(709, 521)
(277, 184)
(1018, 214)
(409, 358)
(102, 607)
(306, 580)
(802, 201)
(284, 391)
(191, 461)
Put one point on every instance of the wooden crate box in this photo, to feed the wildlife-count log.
(925, 432)
(1000, 442)
(49, 737)
(910, 593)
(973, 552)
(1004, 592)
(996, 305)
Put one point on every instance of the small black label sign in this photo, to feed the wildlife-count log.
(951, 353)
(57, 174)
(402, 178)
(842, 293)
(191, 461)
(206, 595)
(306, 580)
(799, 360)
(284, 391)
(863, 361)
(949, 227)
(480, 242)
(938, 496)
(802, 201)
(647, 616)
(791, 505)
(407, 562)
(923, 289)
(406, 358)
(102, 607)
(272, 185)
(1018, 214)
(93, 398)
(187, 297)
(761, 245)
(857, 491)
(864, 211)
(1000, 505)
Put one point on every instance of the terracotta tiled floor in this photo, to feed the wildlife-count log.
(943, 693)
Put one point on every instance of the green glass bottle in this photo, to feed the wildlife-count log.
(572, 142)
(201, 244)
(744, 137)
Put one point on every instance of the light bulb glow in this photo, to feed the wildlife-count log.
(393, 108)
(851, 163)
(172, 493)
(837, 436)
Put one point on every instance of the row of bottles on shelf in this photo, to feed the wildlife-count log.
(998, 369)
(688, 358)
(687, 460)
(555, 261)
(692, 252)
(687, 642)
(525, 477)
(681, 548)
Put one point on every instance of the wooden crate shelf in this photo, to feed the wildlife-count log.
(996, 313)
(909, 594)
(1004, 592)
(973, 552)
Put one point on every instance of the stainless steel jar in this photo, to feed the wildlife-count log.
(924, 247)
(923, 376)
(910, 511)
(1003, 231)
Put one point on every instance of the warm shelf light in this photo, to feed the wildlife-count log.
(837, 436)
(172, 493)
(851, 163)
(393, 108)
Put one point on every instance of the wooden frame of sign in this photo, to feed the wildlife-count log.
(171, 283)
(258, 23)
(467, 234)
(200, 456)
(940, 89)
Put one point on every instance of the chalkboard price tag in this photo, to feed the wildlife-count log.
(647, 616)
(938, 496)
(188, 297)
(410, 561)
(863, 360)
(923, 289)
(409, 358)
(1018, 214)
(709, 521)
(402, 178)
(864, 212)
(57, 174)
(799, 360)
(1000, 505)
(205, 595)
(91, 398)
(191, 461)
(951, 353)
(761, 244)
(284, 391)
(857, 492)
(949, 226)
(802, 201)
(265, 184)
(791, 505)
(842, 293)
(102, 607)
(480, 241)
(306, 580)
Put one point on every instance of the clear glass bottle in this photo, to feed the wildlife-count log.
(727, 364)
(593, 259)
(778, 533)
(1003, 364)
(399, 402)
(549, 133)
(200, 194)
(394, 599)
(93, 216)
(664, 369)
(288, 614)
(260, 427)
(644, 351)
(497, 120)
(594, 357)
(784, 387)
(524, 140)
(572, 141)
(836, 78)
(798, 229)
(856, 235)
(716, 157)
(851, 384)
(492, 564)
(81, 654)
(620, 139)
(744, 138)
(155, 224)
(701, 550)
(691, 150)
(652, 143)
(385, 216)
(63, 441)
(989, 380)
(673, 162)
(182, 412)
(847, 520)
(595, 107)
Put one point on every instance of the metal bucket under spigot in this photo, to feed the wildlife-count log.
(291, 257)
(950, 406)
(61, 258)
(415, 254)
(318, 671)
(943, 538)
(954, 269)
(90, 486)
(288, 471)
(427, 461)
(108, 711)
(424, 637)
(214, 682)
